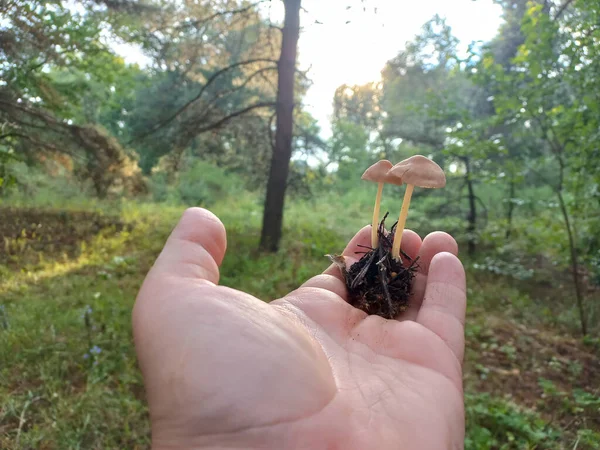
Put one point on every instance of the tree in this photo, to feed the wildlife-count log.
(44, 42)
(544, 95)
(430, 103)
(230, 83)
(360, 105)
(411, 82)
(282, 151)
(349, 150)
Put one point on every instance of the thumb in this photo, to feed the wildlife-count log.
(195, 248)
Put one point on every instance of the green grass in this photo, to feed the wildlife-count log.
(53, 396)
(494, 422)
(68, 373)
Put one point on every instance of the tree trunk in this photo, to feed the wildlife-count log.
(559, 151)
(282, 152)
(574, 262)
(511, 207)
(472, 216)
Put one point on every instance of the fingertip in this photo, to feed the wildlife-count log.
(195, 248)
(411, 243)
(433, 244)
(200, 226)
(441, 239)
(445, 267)
(361, 239)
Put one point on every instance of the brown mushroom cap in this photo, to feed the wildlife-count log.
(377, 172)
(419, 171)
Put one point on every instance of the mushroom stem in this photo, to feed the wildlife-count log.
(402, 222)
(374, 226)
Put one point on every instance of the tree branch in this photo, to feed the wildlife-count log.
(204, 20)
(209, 81)
(7, 135)
(46, 145)
(562, 9)
(309, 137)
(303, 73)
(219, 123)
(222, 94)
(35, 112)
(235, 114)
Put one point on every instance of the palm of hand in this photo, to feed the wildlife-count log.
(225, 370)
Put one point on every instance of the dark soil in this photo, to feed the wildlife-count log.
(28, 235)
(509, 359)
(377, 283)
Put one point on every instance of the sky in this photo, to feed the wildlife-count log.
(337, 52)
(351, 45)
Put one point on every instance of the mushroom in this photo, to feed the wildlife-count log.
(377, 173)
(414, 171)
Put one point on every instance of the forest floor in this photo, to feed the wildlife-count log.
(69, 378)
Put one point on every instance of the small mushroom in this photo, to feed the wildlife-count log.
(377, 173)
(414, 171)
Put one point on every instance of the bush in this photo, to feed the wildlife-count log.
(33, 184)
(202, 184)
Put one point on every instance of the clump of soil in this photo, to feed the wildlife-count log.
(377, 283)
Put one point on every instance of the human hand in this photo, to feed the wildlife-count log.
(223, 369)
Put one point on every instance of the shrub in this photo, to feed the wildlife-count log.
(202, 184)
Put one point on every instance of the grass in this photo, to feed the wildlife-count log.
(53, 396)
(68, 374)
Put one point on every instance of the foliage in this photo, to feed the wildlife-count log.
(6, 177)
(503, 119)
(200, 184)
(512, 268)
(515, 125)
(52, 180)
(349, 150)
(412, 81)
(538, 97)
(494, 423)
(39, 109)
(359, 105)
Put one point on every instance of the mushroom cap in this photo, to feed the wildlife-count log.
(418, 171)
(377, 172)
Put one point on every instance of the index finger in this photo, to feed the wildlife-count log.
(445, 302)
